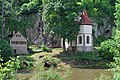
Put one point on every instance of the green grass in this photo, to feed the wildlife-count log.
(38, 65)
(81, 56)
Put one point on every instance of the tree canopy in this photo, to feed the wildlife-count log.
(117, 13)
(59, 17)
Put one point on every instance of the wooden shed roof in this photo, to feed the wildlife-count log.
(14, 38)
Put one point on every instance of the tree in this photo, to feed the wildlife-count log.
(5, 50)
(117, 14)
(60, 19)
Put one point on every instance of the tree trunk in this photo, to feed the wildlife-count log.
(64, 48)
(75, 46)
(3, 18)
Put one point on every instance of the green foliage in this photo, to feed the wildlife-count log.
(44, 48)
(116, 49)
(116, 37)
(34, 49)
(30, 8)
(51, 60)
(47, 74)
(6, 50)
(8, 69)
(117, 13)
(59, 18)
(26, 62)
(98, 9)
(112, 49)
(98, 40)
(106, 49)
(89, 56)
(20, 15)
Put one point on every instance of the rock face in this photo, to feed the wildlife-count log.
(37, 36)
(105, 28)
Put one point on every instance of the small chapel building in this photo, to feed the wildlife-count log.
(84, 39)
(18, 43)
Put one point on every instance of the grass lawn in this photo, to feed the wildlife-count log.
(55, 51)
(28, 74)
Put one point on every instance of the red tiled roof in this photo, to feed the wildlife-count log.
(84, 18)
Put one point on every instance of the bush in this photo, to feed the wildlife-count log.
(30, 51)
(82, 56)
(89, 56)
(6, 50)
(106, 49)
(51, 61)
(44, 48)
(26, 62)
(8, 69)
(34, 49)
(116, 49)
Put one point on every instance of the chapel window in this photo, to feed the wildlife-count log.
(88, 39)
(80, 39)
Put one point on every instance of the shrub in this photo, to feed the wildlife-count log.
(82, 56)
(116, 63)
(51, 61)
(30, 51)
(106, 49)
(8, 70)
(26, 62)
(6, 50)
(34, 49)
(44, 48)
(89, 56)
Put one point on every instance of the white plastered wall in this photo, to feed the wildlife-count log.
(86, 29)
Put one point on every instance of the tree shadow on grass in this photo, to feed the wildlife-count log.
(74, 61)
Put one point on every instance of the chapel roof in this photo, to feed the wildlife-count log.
(85, 19)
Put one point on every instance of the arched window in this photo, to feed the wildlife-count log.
(88, 39)
(80, 39)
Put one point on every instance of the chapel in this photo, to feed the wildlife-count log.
(84, 41)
